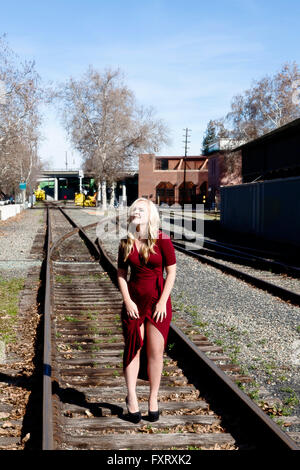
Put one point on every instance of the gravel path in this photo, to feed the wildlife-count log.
(17, 235)
(21, 254)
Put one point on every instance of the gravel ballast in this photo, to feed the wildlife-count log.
(17, 235)
(22, 240)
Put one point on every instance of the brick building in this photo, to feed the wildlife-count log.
(224, 168)
(161, 179)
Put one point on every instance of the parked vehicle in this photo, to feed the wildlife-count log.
(4, 199)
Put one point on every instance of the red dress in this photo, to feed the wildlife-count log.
(145, 287)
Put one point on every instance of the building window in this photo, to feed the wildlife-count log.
(165, 193)
(161, 164)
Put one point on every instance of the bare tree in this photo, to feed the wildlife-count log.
(19, 119)
(105, 124)
(266, 105)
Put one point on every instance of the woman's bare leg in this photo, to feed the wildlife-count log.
(131, 374)
(155, 350)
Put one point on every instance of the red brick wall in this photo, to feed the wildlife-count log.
(149, 178)
(221, 175)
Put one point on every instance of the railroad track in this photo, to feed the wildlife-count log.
(253, 266)
(84, 387)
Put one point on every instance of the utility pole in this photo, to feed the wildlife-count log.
(186, 142)
(66, 160)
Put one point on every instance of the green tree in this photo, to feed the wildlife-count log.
(209, 137)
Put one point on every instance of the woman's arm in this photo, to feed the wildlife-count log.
(122, 281)
(161, 306)
(169, 283)
(131, 307)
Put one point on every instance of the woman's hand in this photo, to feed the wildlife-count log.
(132, 309)
(160, 311)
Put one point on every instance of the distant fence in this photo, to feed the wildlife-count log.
(270, 209)
(10, 210)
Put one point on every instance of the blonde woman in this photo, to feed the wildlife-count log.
(147, 310)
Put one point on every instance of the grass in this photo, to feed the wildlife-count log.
(240, 385)
(63, 279)
(192, 309)
(72, 319)
(292, 399)
(269, 368)
(201, 323)
(9, 306)
(234, 354)
(96, 276)
(254, 394)
(91, 315)
(93, 329)
(262, 341)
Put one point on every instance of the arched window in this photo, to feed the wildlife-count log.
(187, 196)
(165, 193)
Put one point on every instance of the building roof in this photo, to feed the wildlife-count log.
(189, 157)
(269, 135)
(223, 144)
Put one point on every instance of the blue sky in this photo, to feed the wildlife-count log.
(187, 59)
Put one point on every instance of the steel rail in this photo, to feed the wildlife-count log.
(47, 428)
(258, 423)
(281, 292)
(241, 252)
(81, 230)
(47, 438)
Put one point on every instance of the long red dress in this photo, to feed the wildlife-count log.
(145, 287)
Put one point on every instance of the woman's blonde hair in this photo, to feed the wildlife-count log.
(152, 230)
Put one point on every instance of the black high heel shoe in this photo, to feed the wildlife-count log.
(133, 417)
(153, 415)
